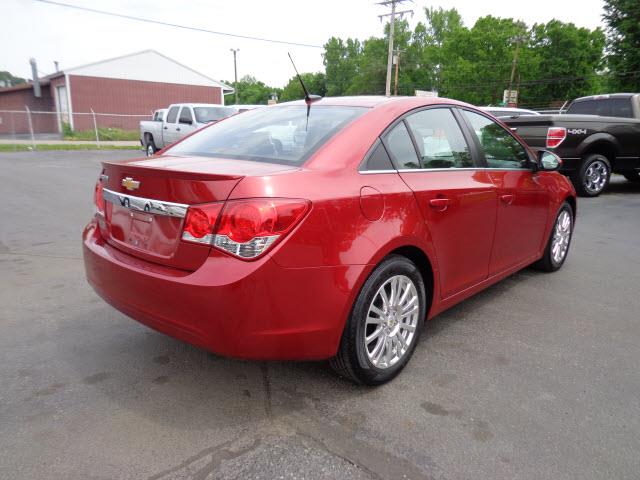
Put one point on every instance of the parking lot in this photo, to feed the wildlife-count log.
(535, 378)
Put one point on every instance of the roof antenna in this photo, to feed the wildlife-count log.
(308, 98)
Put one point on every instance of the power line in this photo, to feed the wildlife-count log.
(175, 25)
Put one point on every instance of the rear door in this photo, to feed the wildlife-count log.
(186, 123)
(169, 129)
(523, 201)
(458, 201)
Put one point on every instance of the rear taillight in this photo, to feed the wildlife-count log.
(244, 228)
(200, 222)
(555, 136)
(98, 198)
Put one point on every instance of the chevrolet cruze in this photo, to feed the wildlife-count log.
(325, 229)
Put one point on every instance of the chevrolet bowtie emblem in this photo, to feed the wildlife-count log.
(130, 184)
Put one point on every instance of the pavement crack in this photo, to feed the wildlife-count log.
(204, 463)
(264, 367)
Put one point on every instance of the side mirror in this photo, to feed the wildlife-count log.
(186, 121)
(549, 161)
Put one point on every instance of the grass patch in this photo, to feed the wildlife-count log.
(105, 134)
(21, 147)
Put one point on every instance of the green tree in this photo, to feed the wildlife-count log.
(562, 62)
(556, 61)
(623, 28)
(341, 62)
(8, 80)
(422, 60)
(253, 92)
(477, 62)
(315, 83)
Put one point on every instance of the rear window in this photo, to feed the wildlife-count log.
(212, 114)
(275, 134)
(610, 107)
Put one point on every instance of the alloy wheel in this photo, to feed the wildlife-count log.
(596, 177)
(561, 237)
(391, 321)
(150, 150)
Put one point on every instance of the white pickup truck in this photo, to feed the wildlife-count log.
(180, 119)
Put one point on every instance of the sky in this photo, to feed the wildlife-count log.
(73, 38)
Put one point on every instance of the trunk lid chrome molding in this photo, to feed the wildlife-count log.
(147, 205)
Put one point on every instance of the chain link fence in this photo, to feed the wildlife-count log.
(27, 126)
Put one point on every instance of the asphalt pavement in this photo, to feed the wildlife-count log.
(535, 378)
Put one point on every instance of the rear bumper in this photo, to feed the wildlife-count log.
(254, 310)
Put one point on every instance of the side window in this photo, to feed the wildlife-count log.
(379, 159)
(172, 115)
(440, 141)
(500, 148)
(621, 107)
(584, 107)
(186, 116)
(401, 148)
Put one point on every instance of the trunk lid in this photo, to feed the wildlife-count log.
(146, 202)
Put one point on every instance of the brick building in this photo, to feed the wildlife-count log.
(134, 84)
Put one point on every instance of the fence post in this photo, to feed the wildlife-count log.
(33, 139)
(95, 127)
(13, 132)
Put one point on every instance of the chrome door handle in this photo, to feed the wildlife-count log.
(507, 199)
(440, 204)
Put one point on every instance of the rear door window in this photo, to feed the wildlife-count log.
(378, 159)
(172, 116)
(401, 148)
(621, 107)
(439, 139)
(186, 116)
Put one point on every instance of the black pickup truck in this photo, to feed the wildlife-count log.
(597, 136)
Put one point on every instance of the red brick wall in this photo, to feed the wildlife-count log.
(110, 95)
(18, 122)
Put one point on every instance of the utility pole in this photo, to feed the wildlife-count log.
(514, 65)
(392, 24)
(235, 69)
(396, 60)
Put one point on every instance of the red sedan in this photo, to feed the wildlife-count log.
(328, 230)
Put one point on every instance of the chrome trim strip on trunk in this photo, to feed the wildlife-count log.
(147, 205)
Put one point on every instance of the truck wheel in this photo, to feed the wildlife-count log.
(633, 177)
(593, 176)
(150, 146)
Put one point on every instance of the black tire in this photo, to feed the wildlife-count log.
(352, 360)
(633, 177)
(583, 178)
(149, 145)
(548, 263)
